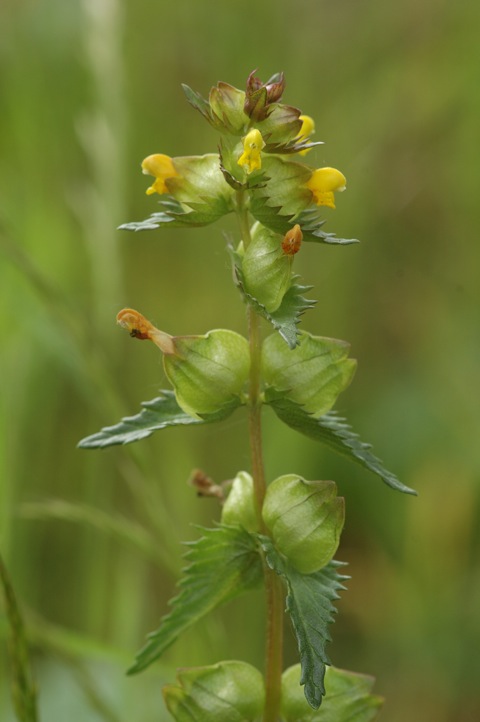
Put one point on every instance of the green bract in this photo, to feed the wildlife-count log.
(305, 519)
(267, 270)
(239, 508)
(224, 108)
(225, 692)
(200, 182)
(208, 372)
(312, 374)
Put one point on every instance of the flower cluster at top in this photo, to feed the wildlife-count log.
(262, 146)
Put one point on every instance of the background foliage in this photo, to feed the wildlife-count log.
(88, 89)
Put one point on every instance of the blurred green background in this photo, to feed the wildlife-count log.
(92, 539)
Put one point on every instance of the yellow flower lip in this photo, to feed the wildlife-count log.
(161, 167)
(307, 129)
(252, 148)
(323, 183)
(308, 126)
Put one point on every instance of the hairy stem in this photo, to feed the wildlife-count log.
(273, 584)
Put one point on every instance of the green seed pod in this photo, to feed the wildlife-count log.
(348, 696)
(295, 707)
(239, 507)
(208, 372)
(231, 690)
(305, 519)
(313, 374)
(267, 269)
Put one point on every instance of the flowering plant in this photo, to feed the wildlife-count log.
(285, 532)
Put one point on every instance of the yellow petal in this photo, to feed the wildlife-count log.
(252, 148)
(307, 129)
(161, 167)
(308, 126)
(323, 183)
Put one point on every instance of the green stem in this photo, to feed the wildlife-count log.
(275, 596)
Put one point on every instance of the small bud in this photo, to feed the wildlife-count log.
(252, 148)
(162, 168)
(228, 691)
(260, 96)
(323, 183)
(292, 240)
(207, 372)
(305, 519)
(239, 508)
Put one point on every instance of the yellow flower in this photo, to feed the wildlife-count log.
(252, 148)
(307, 129)
(161, 167)
(323, 183)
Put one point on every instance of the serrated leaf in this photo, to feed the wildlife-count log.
(286, 188)
(309, 220)
(200, 104)
(227, 104)
(222, 564)
(310, 600)
(159, 413)
(280, 127)
(333, 431)
(286, 317)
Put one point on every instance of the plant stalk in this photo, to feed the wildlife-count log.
(273, 584)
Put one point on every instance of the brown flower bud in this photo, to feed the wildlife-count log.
(292, 240)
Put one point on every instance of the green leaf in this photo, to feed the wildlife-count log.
(287, 316)
(157, 414)
(333, 431)
(347, 697)
(280, 127)
(311, 221)
(156, 220)
(176, 215)
(221, 565)
(310, 600)
(200, 104)
(285, 193)
(227, 104)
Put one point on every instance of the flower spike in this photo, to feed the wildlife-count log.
(323, 183)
